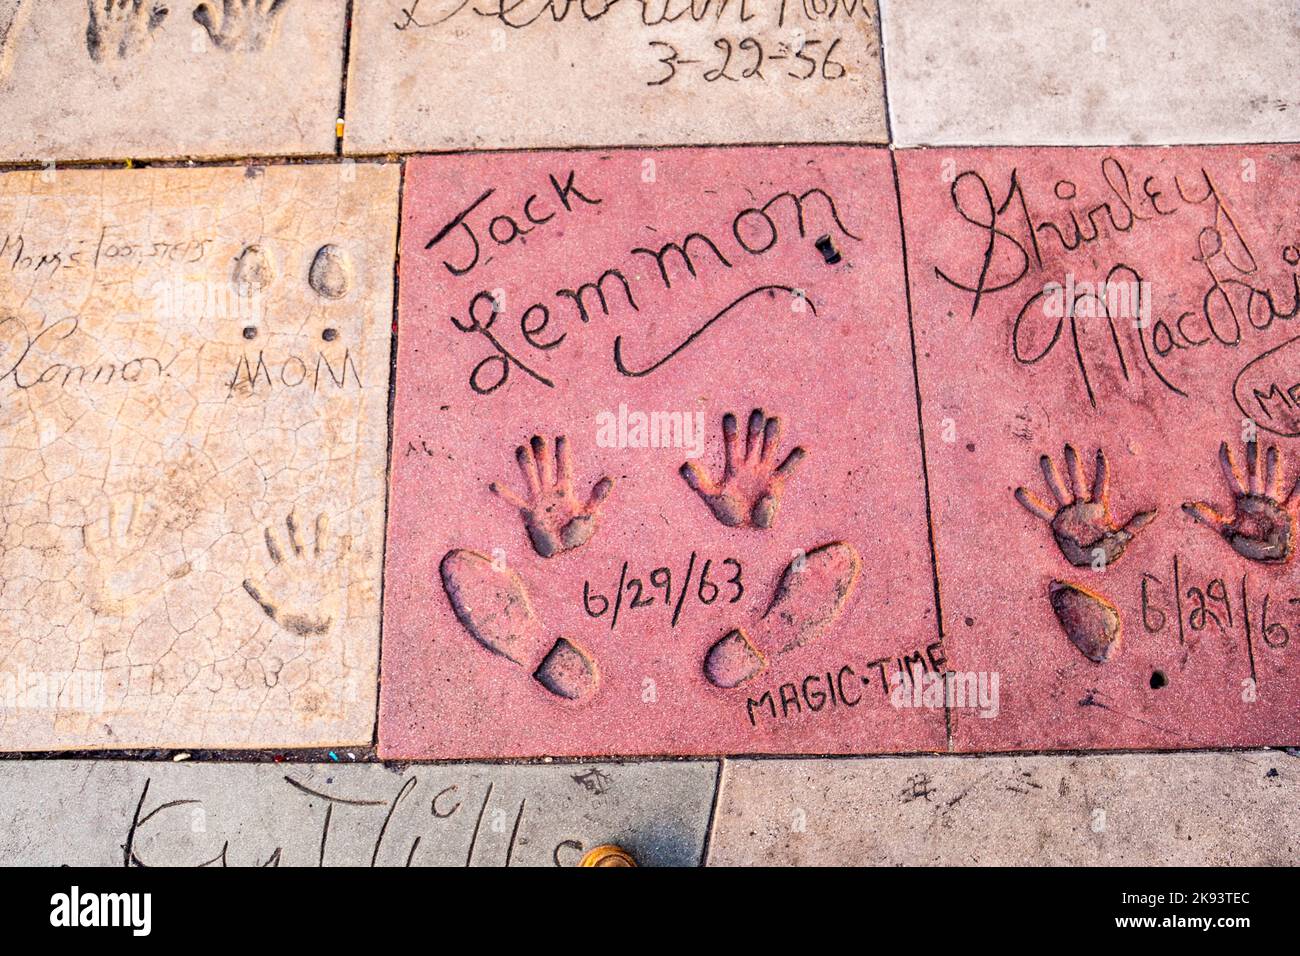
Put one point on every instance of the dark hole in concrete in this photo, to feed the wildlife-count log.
(250, 331)
(1158, 680)
(329, 335)
(827, 248)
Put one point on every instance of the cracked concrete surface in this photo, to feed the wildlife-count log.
(156, 80)
(1084, 72)
(450, 74)
(192, 460)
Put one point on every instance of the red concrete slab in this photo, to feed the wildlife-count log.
(646, 504)
(1100, 335)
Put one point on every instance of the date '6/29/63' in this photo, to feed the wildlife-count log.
(716, 580)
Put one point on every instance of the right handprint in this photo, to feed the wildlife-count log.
(752, 481)
(1263, 525)
(241, 25)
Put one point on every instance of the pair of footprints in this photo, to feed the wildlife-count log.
(125, 28)
(492, 604)
(1261, 527)
(747, 495)
(330, 273)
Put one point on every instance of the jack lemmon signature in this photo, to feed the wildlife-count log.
(518, 14)
(755, 231)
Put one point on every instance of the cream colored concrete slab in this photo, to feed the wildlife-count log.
(13, 14)
(1190, 809)
(115, 79)
(109, 813)
(481, 74)
(1092, 71)
(193, 397)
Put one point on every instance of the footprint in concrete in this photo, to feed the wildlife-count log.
(752, 483)
(491, 603)
(253, 270)
(331, 272)
(806, 604)
(1090, 621)
(122, 28)
(241, 25)
(1263, 525)
(1081, 522)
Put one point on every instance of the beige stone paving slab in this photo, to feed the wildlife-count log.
(193, 396)
(207, 79)
(95, 813)
(1092, 71)
(482, 74)
(1233, 808)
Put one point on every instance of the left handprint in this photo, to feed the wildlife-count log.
(301, 590)
(125, 572)
(122, 27)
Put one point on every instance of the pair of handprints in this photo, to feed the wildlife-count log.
(1261, 527)
(299, 591)
(126, 28)
(748, 493)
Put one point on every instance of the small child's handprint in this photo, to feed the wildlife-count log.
(553, 516)
(246, 25)
(1081, 523)
(752, 483)
(1263, 525)
(300, 592)
(124, 27)
(125, 571)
